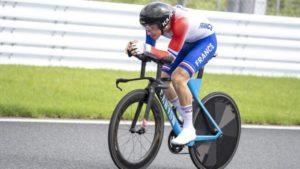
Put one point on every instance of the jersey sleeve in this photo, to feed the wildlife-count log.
(180, 29)
(149, 40)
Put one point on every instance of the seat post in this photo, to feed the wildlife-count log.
(200, 73)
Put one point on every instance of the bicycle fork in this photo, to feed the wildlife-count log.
(151, 93)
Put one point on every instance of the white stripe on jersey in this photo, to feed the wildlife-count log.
(199, 27)
(173, 53)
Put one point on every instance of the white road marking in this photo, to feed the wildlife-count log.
(74, 121)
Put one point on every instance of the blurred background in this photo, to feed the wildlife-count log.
(60, 58)
(264, 7)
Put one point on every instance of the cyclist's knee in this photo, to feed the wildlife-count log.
(179, 77)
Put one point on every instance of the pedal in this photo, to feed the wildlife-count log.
(175, 149)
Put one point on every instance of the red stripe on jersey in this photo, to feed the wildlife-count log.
(179, 25)
(179, 28)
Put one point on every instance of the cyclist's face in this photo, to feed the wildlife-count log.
(153, 31)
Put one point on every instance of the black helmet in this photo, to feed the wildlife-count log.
(156, 13)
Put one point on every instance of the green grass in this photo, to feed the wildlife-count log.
(57, 92)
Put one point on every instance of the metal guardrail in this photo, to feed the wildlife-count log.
(94, 34)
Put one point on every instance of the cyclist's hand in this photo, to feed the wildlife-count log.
(140, 47)
(129, 48)
(136, 47)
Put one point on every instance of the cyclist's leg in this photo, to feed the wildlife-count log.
(167, 71)
(180, 79)
(201, 53)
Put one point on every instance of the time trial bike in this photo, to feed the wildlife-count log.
(137, 123)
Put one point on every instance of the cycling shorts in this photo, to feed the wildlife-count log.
(193, 56)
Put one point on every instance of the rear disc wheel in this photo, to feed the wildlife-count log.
(216, 154)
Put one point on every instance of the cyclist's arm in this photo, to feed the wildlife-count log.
(180, 29)
(149, 40)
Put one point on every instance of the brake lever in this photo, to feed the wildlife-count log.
(117, 85)
(122, 81)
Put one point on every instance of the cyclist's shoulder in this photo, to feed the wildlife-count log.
(180, 18)
(188, 15)
(180, 12)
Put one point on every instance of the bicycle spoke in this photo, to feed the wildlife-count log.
(124, 129)
(130, 152)
(134, 147)
(126, 140)
(144, 149)
(141, 148)
(125, 146)
(147, 131)
(124, 133)
(147, 139)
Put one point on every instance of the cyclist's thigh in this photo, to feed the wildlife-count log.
(181, 55)
(201, 53)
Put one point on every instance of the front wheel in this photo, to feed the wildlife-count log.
(135, 146)
(216, 154)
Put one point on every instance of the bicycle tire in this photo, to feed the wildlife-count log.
(115, 152)
(216, 154)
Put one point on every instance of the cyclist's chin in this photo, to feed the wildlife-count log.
(155, 37)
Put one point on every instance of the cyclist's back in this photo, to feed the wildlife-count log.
(198, 27)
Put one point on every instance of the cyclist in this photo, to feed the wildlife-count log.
(193, 43)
